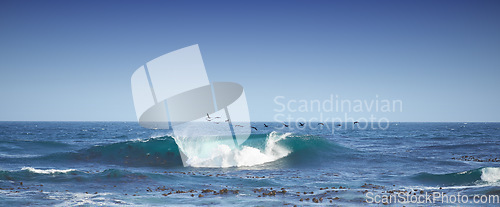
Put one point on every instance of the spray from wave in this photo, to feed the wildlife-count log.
(219, 154)
(490, 174)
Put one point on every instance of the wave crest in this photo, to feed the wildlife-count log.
(490, 174)
(481, 176)
(47, 171)
(224, 156)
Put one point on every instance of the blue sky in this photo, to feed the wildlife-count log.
(72, 60)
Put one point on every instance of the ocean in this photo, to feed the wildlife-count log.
(121, 163)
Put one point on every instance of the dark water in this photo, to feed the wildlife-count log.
(115, 163)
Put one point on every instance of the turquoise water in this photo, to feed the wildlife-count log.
(120, 163)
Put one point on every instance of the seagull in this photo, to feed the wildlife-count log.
(255, 128)
(301, 124)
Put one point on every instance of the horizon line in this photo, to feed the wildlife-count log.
(257, 121)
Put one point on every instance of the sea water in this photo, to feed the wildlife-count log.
(120, 163)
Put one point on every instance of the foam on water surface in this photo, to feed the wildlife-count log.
(219, 153)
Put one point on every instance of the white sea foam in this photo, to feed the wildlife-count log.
(460, 187)
(490, 174)
(219, 154)
(17, 156)
(48, 171)
(84, 199)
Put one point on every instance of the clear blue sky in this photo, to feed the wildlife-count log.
(72, 60)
